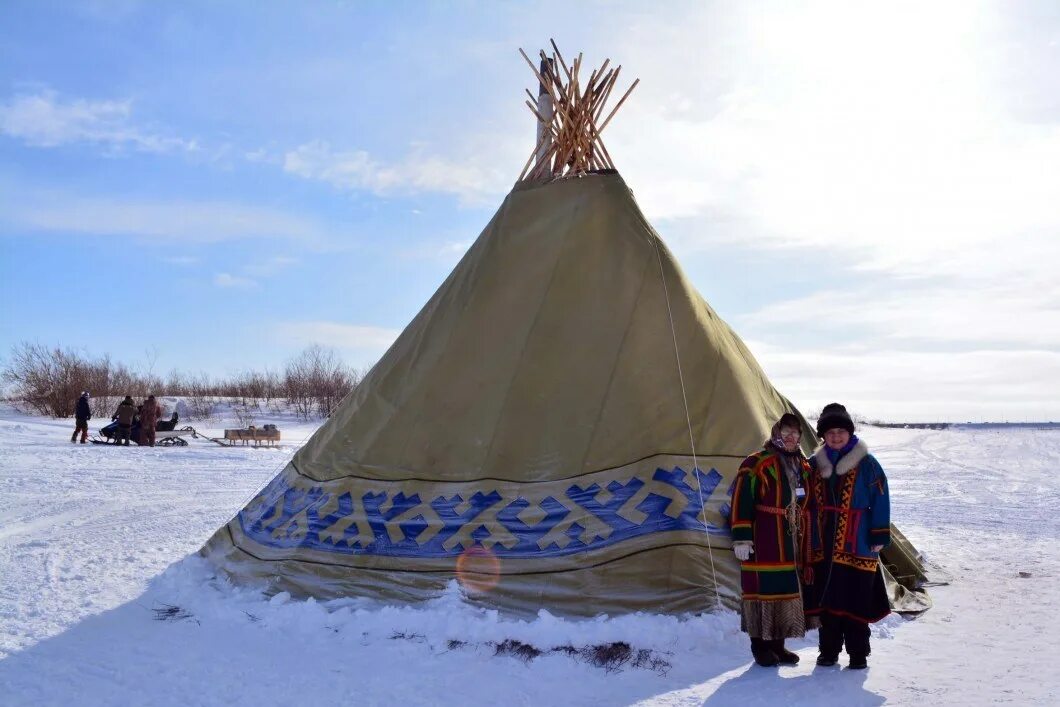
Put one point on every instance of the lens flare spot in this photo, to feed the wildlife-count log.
(478, 570)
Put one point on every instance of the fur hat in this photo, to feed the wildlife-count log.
(834, 416)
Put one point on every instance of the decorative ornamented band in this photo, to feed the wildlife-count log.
(866, 564)
(438, 520)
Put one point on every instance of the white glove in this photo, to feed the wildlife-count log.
(743, 549)
(876, 548)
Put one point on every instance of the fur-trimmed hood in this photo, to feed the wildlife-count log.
(846, 463)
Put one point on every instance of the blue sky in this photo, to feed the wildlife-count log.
(213, 186)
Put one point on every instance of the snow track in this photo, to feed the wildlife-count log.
(94, 540)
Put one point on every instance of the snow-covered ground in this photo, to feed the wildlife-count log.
(95, 544)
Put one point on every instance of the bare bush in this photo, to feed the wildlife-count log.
(297, 388)
(334, 387)
(48, 380)
(200, 400)
(252, 386)
(104, 396)
(316, 381)
(177, 384)
(272, 385)
(245, 413)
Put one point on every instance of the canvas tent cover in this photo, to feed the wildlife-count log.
(528, 433)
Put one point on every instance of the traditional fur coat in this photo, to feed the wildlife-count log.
(850, 513)
(772, 600)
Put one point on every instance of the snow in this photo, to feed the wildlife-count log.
(98, 543)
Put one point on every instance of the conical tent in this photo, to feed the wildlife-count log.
(559, 427)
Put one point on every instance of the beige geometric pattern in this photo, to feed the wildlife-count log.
(412, 518)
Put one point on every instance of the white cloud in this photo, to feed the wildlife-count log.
(916, 353)
(180, 260)
(454, 249)
(1002, 315)
(363, 343)
(447, 252)
(473, 180)
(162, 222)
(894, 154)
(270, 266)
(806, 128)
(43, 119)
(918, 386)
(227, 280)
(259, 155)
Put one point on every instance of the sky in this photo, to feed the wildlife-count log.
(867, 192)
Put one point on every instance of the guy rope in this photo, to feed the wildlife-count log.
(688, 420)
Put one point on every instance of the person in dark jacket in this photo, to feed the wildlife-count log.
(149, 414)
(851, 512)
(124, 416)
(82, 414)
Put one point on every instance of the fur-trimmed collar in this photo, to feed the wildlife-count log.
(846, 463)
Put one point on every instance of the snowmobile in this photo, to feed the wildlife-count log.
(170, 425)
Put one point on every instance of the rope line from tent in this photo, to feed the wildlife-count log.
(688, 417)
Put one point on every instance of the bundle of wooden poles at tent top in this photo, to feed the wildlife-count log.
(569, 117)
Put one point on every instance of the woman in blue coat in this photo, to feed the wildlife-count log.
(851, 512)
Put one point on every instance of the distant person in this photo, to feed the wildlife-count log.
(134, 434)
(769, 520)
(124, 416)
(852, 504)
(82, 414)
(149, 414)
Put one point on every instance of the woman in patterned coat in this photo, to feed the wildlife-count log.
(851, 513)
(769, 518)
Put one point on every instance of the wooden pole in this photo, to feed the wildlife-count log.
(545, 112)
(567, 113)
(619, 105)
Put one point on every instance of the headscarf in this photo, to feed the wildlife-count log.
(777, 442)
(791, 466)
(790, 462)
